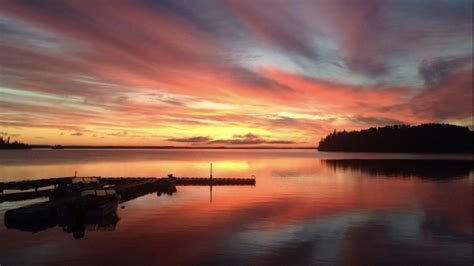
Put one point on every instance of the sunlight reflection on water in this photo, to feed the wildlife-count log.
(306, 208)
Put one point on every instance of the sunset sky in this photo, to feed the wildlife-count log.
(229, 73)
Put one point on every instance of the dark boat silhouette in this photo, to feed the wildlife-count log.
(97, 208)
(83, 203)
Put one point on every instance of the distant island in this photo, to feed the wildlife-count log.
(15, 145)
(424, 138)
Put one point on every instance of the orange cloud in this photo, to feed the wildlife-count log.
(102, 69)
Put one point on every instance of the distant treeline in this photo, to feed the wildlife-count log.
(5, 144)
(425, 138)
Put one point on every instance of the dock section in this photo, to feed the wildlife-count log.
(136, 188)
(123, 185)
(78, 206)
(35, 184)
(198, 181)
(75, 203)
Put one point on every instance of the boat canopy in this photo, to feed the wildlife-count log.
(85, 180)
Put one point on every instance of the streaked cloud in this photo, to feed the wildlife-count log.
(247, 139)
(191, 140)
(210, 69)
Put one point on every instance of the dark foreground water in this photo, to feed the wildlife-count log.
(307, 208)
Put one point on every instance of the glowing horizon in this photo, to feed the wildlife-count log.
(229, 73)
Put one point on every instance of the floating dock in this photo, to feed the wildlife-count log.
(35, 184)
(136, 188)
(78, 203)
(197, 181)
(75, 202)
(70, 198)
(123, 185)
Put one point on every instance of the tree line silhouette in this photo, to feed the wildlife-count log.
(424, 138)
(5, 144)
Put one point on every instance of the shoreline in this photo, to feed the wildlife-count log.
(47, 147)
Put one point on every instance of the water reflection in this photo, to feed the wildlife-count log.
(309, 208)
(432, 169)
(92, 213)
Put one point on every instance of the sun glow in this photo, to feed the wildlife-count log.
(138, 75)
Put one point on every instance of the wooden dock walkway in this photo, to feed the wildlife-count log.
(19, 196)
(35, 184)
(137, 188)
(198, 181)
(128, 186)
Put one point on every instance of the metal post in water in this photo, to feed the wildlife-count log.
(211, 171)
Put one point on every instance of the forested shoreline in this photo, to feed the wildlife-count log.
(424, 138)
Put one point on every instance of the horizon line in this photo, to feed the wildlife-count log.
(47, 146)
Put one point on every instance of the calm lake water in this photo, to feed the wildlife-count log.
(307, 208)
